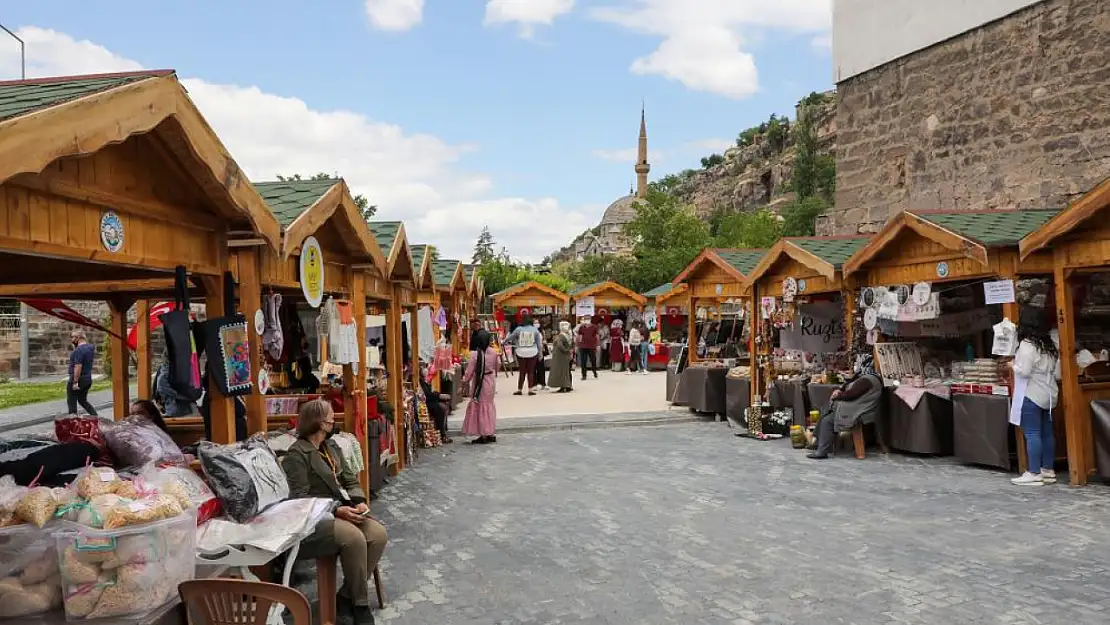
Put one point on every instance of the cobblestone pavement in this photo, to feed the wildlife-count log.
(686, 524)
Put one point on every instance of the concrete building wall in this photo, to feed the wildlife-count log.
(1015, 114)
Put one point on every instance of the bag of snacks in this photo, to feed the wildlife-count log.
(185, 486)
(38, 505)
(29, 582)
(97, 481)
(10, 496)
(245, 476)
(137, 441)
(146, 510)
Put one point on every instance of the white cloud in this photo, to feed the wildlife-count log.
(527, 14)
(704, 41)
(822, 42)
(716, 146)
(394, 14)
(412, 177)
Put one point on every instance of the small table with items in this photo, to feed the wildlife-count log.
(981, 429)
(705, 387)
(924, 428)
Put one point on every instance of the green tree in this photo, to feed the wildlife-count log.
(665, 237)
(483, 249)
(711, 160)
(367, 209)
(800, 216)
(758, 229)
(667, 184)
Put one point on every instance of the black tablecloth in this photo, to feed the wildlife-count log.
(705, 388)
(676, 393)
(819, 395)
(981, 429)
(1100, 430)
(926, 429)
(799, 401)
(781, 394)
(738, 396)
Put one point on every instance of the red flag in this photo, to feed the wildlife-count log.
(156, 312)
(57, 308)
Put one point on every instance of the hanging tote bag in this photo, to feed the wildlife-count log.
(181, 347)
(227, 343)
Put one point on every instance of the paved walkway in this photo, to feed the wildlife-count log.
(685, 524)
(610, 393)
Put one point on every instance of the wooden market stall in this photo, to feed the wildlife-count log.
(802, 325)
(612, 296)
(451, 287)
(936, 283)
(111, 182)
(532, 297)
(718, 285)
(402, 337)
(669, 301)
(1078, 240)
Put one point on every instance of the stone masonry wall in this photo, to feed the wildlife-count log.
(1015, 114)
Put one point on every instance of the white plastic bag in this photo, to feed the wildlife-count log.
(1005, 338)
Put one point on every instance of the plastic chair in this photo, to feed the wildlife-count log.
(233, 601)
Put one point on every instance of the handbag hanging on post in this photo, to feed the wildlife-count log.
(181, 348)
(226, 341)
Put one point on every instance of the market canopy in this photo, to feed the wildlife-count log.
(932, 245)
(664, 292)
(391, 238)
(815, 260)
(720, 273)
(422, 267)
(531, 293)
(1082, 212)
(610, 294)
(448, 275)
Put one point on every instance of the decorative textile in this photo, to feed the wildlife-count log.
(181, 345)
(912, 395)
(481, 413)
(83, 430)
(272, 340)
(351, 451)
(427, 345)
(430, 434)
(441, 318)
(234, 341)
(444, 358)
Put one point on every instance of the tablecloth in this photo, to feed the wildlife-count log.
(705, 388)
(738, 396)
(1100, 430)
(781, 394)
(820, 395)
(981, 429)
(926, 429)
(912, 394)
(676, 392)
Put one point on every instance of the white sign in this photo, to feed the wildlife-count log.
(584, 307)
(818, 329)
(1000, 292)
(312, 272)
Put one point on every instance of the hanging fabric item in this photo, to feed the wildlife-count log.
(181, 347)
(441, 318)
(272, 340)
(348, 333)
(227, 343)
(444, 356)
(330, 312)
(427, 345)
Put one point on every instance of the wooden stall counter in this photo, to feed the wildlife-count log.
(981, 429)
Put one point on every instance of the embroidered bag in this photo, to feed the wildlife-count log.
(227, 343)
(272, 340)
(181, 346)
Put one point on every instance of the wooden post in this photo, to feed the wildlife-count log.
(415, 363)
(142, 350)
(121, 385)
(250, 300)
(395, 371)
(692, 328)
(222, 409)
(753, 361)
(354, 377)
(1075, 413)
(1010, 311)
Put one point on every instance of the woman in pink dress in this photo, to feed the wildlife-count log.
(481, 374)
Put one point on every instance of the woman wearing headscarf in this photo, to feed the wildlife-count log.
(562, 350)
(616, 345)
(857, 401)
(481, 375)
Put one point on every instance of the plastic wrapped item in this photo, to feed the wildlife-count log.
(136, 441)
(29, 582)
(38, 505)
(246, 476)
(97, 481)
(140, 511)
(137, 568)
(185, 486)
(10, 496)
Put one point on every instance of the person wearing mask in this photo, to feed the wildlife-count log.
(603, 341)
(481, 375)
(314, 467)
(562, 354)
(856, 401)
(438, 404)
(1037, 362)
(588, 341)
(541, 361)
(635, 344)
(527, 344)
(80, 373)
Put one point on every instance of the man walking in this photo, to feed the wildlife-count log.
(80, 373)
(587, 346)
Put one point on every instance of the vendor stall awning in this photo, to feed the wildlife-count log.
(1068, 220)
(543, 294)
(392, 239)
(447, 274)
(609, 290)
(824, 255)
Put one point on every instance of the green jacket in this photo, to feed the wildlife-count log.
(310, 475)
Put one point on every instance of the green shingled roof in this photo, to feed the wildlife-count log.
(575, 292)
(742, 260)
(833, 250)
(289, 199)
(444, 271)
(998, 228)
(468, 273)
(19, 97)
(418, 253)
(662, 289)
(385, 233)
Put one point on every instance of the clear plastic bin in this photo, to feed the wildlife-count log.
(126, 572)
(29, 581)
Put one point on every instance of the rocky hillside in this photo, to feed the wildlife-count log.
(751, 175)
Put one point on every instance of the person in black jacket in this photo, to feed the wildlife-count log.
(438, 404)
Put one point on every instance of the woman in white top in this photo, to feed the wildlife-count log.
(635, 347)
(1038, 362)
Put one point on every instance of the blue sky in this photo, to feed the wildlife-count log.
(519, 114)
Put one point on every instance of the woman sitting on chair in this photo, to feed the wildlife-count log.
(857, 401)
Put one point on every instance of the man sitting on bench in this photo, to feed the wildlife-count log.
(857, 401)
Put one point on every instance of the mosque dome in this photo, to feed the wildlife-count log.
(620, 212)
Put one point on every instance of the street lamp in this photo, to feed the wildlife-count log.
(22, 53)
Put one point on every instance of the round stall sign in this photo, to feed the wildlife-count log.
(942, 269)
(259, 322)
(111, 231)
(921, 293)
(870, 318)
(802, 285)
(719, 288)
(903, 294)
(312, 272)
(789, 289)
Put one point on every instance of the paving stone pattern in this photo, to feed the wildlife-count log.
(687, 524)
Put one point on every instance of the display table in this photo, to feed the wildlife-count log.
(820, 395)
(1100, 431)
(659, 360)
(676, 393)
(800, 401)
(926, 429)
(738, 397)
(781, 394)
(981, 429)
(705, 388)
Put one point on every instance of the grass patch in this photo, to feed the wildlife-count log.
(14, 394)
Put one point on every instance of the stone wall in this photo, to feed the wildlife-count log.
(1015, 114)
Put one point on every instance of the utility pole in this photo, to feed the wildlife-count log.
(24, 344)
(22, 53)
